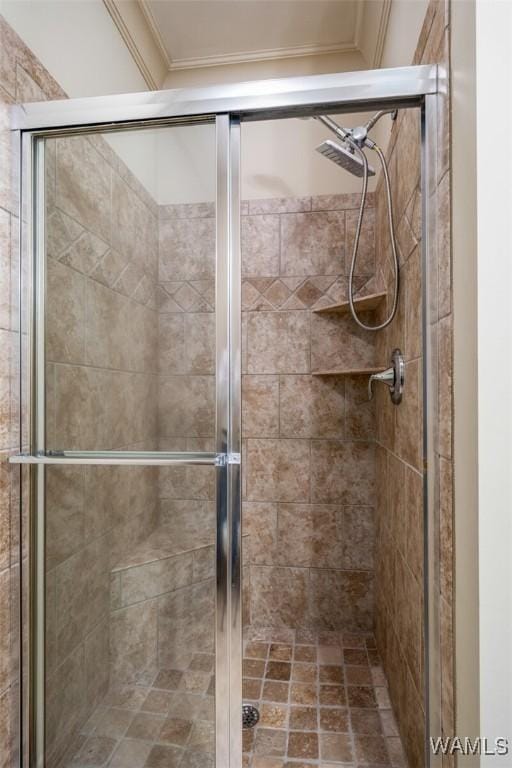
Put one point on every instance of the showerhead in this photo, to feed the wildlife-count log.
(350, 161)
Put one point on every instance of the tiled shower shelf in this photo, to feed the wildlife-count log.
(351, 371)
(372, 301)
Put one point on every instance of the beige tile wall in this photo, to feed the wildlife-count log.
(309, 460)
(186, 422)
(186, 327)
(102, 337)
(399, 561)
(308, 441)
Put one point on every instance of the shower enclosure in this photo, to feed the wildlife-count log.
(131, 401)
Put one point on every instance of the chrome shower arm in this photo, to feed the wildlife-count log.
(377, 116)
(356, 138)
(340, 132)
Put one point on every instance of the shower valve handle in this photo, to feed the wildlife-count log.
(392, 377)
(387, 377)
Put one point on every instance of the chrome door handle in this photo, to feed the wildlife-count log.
(392, 377)
(123, 458)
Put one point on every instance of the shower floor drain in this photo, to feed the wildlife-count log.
(250, 716)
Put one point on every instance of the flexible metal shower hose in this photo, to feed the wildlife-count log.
(394, 308)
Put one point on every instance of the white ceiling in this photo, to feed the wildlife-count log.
(175, 36)
(197, 33)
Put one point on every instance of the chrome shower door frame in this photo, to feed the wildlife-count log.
(34, 456)
(407, 87)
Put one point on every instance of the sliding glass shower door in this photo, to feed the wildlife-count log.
(134, 482)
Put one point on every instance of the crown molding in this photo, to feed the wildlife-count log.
(266, 54)
(130, 43)
(382, 32)
(359, 24)
(153, 26)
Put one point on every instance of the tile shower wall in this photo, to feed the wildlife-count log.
(186, 421)
(308, 452)
(308, 441)
(102, 334)
(399, 455)
(399, 458)
(186, 329)
(154, 528)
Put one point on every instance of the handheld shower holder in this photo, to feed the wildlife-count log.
(392, 377)
(354, 160)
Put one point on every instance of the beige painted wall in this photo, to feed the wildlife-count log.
(78, 44)
(262, 70)
(494, 203)
(279, 159)
(465, 370)
(405, 21)
(481, 272)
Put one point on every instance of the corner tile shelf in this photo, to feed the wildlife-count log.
(351, 371)
(372, 301)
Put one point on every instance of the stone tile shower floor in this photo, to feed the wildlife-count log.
(322, 698)
(167, 724)
(323, 701)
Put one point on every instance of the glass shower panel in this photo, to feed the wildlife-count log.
(130, 290)
(130, 625)
(130, 366)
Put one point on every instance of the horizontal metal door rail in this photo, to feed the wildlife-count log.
(255, 100)
(123, 458)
